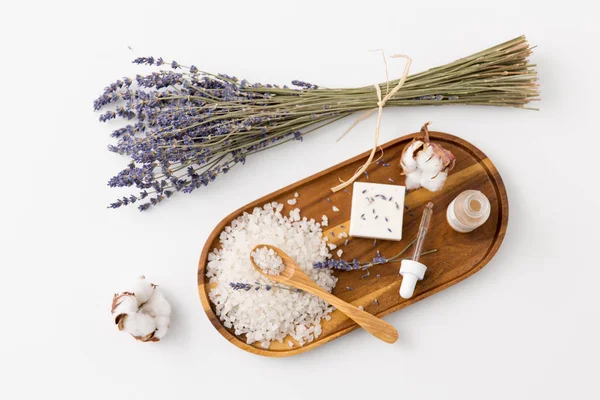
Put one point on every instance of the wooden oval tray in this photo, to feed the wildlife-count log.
(459, 255)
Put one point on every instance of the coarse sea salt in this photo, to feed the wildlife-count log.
(267, 315)
(268, 261)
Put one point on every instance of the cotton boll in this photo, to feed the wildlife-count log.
(125, 303)
(407, 160)
(142, 290)
(143, 312)
(413, 180)
(139, 325)
(425, 163)
(157, 305)
(163, 323)
(422, 156)
(433, 182)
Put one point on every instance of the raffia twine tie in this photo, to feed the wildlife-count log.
(380, 104)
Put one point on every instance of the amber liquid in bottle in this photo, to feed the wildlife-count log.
(468, 211)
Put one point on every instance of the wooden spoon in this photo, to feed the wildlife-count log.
(292, 275)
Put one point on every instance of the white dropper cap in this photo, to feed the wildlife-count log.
(411, 271)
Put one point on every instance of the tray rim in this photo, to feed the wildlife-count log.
(503, 212)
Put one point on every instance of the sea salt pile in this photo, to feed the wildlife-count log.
(266, 312)
(268, 261)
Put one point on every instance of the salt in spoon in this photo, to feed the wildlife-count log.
(292, 275)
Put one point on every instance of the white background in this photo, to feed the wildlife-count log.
(525, 327)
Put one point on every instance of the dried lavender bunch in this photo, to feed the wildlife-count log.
(185, 126)
(355, 264)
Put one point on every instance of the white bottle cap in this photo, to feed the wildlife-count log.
(411, 271)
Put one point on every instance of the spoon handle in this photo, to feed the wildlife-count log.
(375, 326)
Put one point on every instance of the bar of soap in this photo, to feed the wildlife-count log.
(377, 211)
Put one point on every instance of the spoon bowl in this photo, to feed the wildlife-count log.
(292, 275)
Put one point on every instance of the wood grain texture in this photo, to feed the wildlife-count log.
(459, 255)
(292, 275)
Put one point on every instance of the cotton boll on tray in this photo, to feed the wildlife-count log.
(250, 304)
(425, 163)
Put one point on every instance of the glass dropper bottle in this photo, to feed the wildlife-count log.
(412, 270)
(423, 228)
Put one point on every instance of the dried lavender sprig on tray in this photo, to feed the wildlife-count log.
(257, 286)
(185, 126)
(353, 265)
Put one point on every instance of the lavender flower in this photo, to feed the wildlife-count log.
(180, 137)
(304, 85)
(338, 264)
(356, 265)
(258, 286)
(343, 265)
(144, 60)
(184, 127)
(240, 286)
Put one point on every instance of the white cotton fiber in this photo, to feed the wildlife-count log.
(426, 165)
(126, 304)
(427, 161)
(409, 163)
(433, 181)
(157, 305)
(267, 315)
(139, 324)
(162, 326)
(142, 289)
(413, 180)
(143, 312)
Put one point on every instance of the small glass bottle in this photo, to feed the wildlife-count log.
(468, 211)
